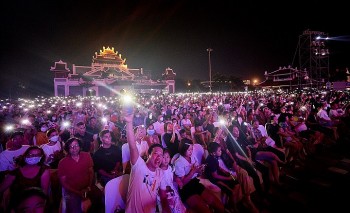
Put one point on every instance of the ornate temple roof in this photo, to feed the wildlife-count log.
(169, 74)
(109, 56)
(60, 66)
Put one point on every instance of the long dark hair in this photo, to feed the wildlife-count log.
(184, 145)
(21, 160)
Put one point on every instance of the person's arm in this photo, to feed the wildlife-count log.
(194, 169)
(164, 201)
(230, 155)
(283, 133)
(173, 135)
(118, 170)
(134, 153)
(220, 177)
(45, 181)
(106, 174)
(6, 183)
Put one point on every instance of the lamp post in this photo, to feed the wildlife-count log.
(209, 50)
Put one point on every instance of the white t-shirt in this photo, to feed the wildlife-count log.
(183, 167)
(49, 150)
(323, 114)
(143, 188)
(198, 152)
(269, 141)
(141, 147)
(7, 158)
(185, 122)
(167, 183)
(159, 127)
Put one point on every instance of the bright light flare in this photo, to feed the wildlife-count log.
(9, 128)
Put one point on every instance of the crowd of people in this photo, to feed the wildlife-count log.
(190, 152)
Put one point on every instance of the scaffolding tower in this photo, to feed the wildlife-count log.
(314, 57)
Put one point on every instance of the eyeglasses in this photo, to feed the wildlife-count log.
(74, 146)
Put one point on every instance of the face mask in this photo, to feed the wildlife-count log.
(161, 119)
(137, 115)
(43, 129)
(33, 160)
(53, 118)
(150, 131)
(150, 116)
(239, 119)
(54, 138)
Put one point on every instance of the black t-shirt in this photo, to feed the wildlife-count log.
(238, 145)
(107, 158)
(86, 140)
(212, 166)
(93, 130)
(210, 128)
(173, 147)
(272, 131)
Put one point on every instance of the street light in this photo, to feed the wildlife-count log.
(209, 50)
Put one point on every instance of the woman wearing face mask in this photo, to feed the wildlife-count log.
(31, 173)
(151, 136)
(53, 149)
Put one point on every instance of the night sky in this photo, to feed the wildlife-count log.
(247, 38)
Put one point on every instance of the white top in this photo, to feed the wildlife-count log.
(269, 141)
(143, 188)
(198, 153)
(7, 158)
(159, 127)
(183, 167)
(173, 197)
(141, 147)
(49, 150)
(323, 114)
(185, 122)
(168, 178)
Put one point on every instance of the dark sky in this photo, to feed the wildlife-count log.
(247, 38)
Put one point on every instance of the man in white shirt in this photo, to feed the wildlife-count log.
(8, 156)
(141, 145)
(145, 177)
(323, 117)
(335, 113)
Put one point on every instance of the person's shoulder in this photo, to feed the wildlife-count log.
(85, 154)
(24, 147)
(180, 159)
(63, 161)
